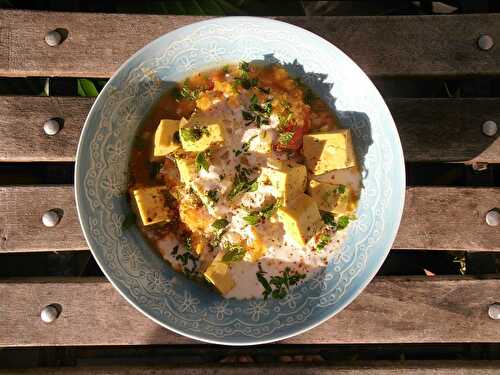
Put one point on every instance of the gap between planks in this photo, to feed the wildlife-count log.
(412, 367)
(389, 310)
(433, 130)
(97, 44)
(434, 218)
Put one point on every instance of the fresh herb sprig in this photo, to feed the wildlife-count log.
(278, 286)
(201, 162)
(260, 216)
(324, 240)
(242, 183)
(244, 147)
(194, 133)
(185, 92)
(258, 113)
(244, 79)
(233, 253)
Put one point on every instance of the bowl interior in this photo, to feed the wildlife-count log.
(139, 273)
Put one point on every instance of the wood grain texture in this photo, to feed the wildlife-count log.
(383, 46)
(436, 218)
(479, 367)
(21, 228)
(21, 127)
(448, 218)
(446, 130)
(390, 310)
(431, 130)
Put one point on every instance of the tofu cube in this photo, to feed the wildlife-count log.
(187, 169)
(289, 179)
(218, 273)
(200, 132)
(165, 142)
(347, 176)
(301, 219)
(256, 247)
(333, 198)
(326, 152)
(152, 205)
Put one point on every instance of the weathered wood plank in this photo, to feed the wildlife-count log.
(390, 310)
(434, 130)
(21, 127)
(355, 368)
(21, 228)
(435, 218)
(98, 43)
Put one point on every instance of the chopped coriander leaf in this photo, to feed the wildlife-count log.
(245, 146)
(233, 253)
(213, 196)
(342, 222)
(201, 162)
(328, 218)
(340, 189)
(241, 183)
(263, 281)
(220, 224)
(283, 283)
(253, 218)
(258, 113)
(324, 240)
(247, 83)
(193, 134)
(225, 69)
(286, 137)
(185, 92)
(244, 66)
(188, 243)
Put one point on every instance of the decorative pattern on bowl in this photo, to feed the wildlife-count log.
(140, 275)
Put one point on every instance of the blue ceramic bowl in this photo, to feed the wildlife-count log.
(139, 273)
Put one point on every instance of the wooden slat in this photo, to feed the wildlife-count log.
(396, 45)
(21, 228)
(435, 218)
(390, 310)
(430, 129)
(355, 368)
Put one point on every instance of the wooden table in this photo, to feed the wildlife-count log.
(392, 310)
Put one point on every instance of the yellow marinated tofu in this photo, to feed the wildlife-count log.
(347, 176)
(218, 273)
(200, 132)
(301, 219)
(165, 142)
(326, 152)
(288, 178)
(333, 198)
(152, 205)
(187, 169)
(256, 247)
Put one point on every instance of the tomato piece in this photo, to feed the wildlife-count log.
(298, 132)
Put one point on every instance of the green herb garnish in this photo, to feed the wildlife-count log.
(286, 137)
(253, 218)
(340, 189)
(258, 113)
(244, 79)
(245, 146)
(257, 217)
(241, 183)
(188, 243)
(194, 134)
(244, 66)
(225, 69)
(213, 196)
(328, 218)
(220, 224)
(324, 240)
(233, 253)
(201, 162)
(185, 92)
(278, 286)
(265, 284)
(342, 222)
